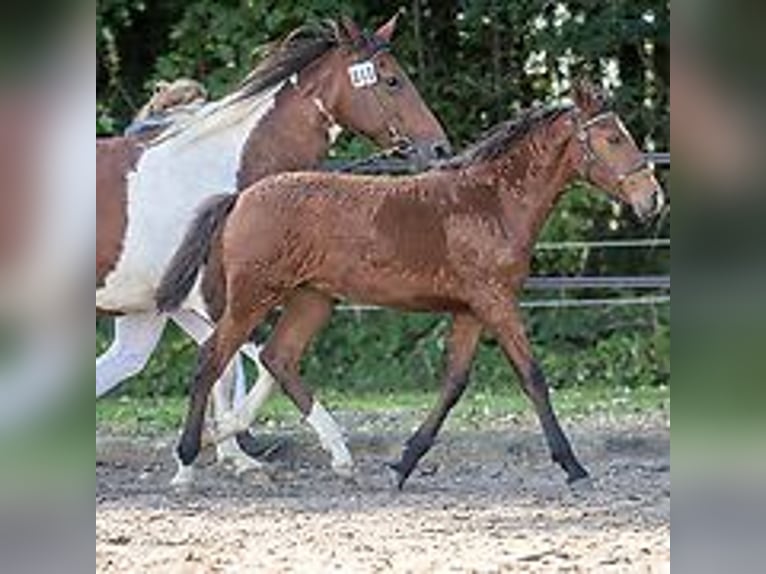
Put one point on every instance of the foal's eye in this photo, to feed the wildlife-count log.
(393, 82)
(614, 139)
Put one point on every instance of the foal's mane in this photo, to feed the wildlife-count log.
(495, 142)
(285, 58)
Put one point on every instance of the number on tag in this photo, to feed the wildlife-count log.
(363, 74)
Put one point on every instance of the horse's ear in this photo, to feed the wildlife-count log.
(348, 31)
(589, 99)
(387, 30)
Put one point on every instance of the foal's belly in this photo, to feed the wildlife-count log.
(395, 290)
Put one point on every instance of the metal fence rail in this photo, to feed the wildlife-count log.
(658, 158)
(606, 244)
(616, 282)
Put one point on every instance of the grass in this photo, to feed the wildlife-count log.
(153, 416)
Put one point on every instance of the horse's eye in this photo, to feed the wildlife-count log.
(393, 82)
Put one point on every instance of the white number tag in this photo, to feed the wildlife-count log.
(363, 75)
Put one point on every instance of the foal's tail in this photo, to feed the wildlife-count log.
(192, 254)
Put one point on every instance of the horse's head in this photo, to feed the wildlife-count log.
(169, 95)
(606, 155)
(367, 91)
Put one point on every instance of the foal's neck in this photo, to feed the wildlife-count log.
(529, 181)
(295, 135)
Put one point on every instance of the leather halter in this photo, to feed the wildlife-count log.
(592, 158)
(372, 47)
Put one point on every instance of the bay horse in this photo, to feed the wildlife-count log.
(318, 81)
(456, 239)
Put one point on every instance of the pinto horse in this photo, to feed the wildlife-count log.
(318, 81)
(456, 239)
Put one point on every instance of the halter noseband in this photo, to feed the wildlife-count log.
(591, 157)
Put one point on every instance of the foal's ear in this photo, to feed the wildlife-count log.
(348, 31)
(387, 30)
(589, 99)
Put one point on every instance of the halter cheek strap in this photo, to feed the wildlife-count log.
(333, 127)
(591, 157)
(363, 75)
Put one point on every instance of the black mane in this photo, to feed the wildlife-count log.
(496, 141)
(285, 58)
(291, 55)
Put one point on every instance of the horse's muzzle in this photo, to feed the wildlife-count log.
(651, 207)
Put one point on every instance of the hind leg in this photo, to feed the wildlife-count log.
(227, 450)
(304, 315)
(231, 332)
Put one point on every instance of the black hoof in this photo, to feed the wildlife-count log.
(257, 449)
(581, 486)
(188, 448)
(578, 475)
(401, 474)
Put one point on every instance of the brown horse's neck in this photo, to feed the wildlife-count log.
(295, 135)
(529, 182)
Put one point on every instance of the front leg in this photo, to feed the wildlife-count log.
(461, 348)
(135, 338)
(504, 320)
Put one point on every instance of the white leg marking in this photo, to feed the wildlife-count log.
(245, 412)
(135, 337)
(331, 438)
(184, 476)
(240, 388)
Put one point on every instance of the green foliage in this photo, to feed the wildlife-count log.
(387, 352)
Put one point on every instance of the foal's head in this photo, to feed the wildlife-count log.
(606, 155)
(366, 90)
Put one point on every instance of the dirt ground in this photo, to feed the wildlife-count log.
(484, 500)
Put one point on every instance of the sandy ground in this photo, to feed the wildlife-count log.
(484, 500)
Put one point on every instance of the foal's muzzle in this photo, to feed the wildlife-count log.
(651, 206)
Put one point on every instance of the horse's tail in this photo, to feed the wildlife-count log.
(183, 269)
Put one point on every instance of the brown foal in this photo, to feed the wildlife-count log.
(455, 239)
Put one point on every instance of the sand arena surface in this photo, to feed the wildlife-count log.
(485, 500)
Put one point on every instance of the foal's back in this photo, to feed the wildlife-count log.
(404, 242)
